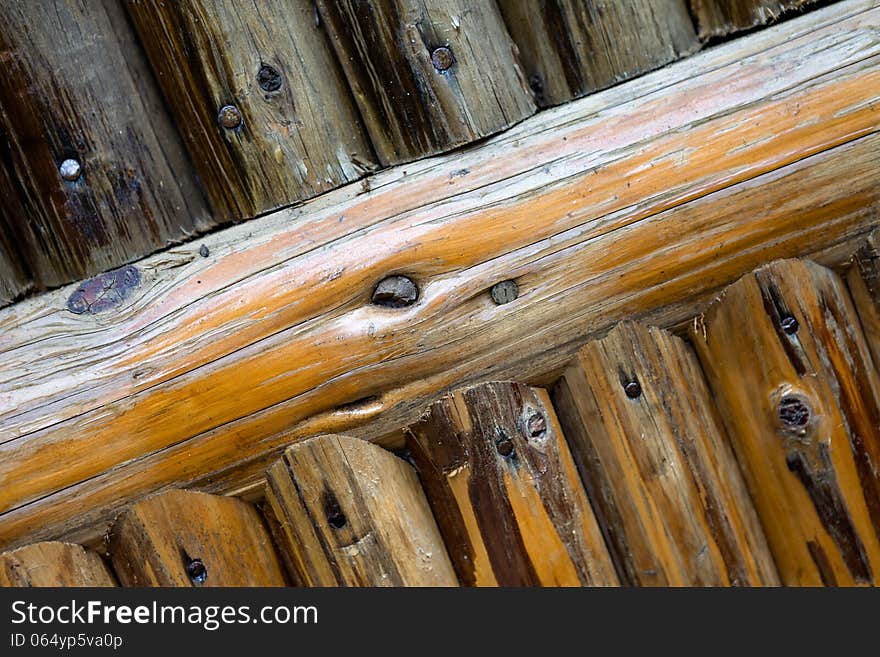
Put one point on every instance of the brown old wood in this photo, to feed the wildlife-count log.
(53, 564)
(790, 367)
(505, 491)
(134, 192)
(348, 513)
(569, 48)
(14, 281)
(641, 200)
(428, 75)
(655, 460)
(184, 538)
(863, 279)
(296, 132)
(722, 17)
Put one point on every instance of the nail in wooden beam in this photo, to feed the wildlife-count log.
(184, 538)
(716, 18)
(258, 97)
(863, 278)
(428, 75)
(349, 513)
(93, 175)
(569, 48)
(53, 564)
(789, 365)
(505, 490)
(654, 458)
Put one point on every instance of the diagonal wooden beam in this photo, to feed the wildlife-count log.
(642, 199)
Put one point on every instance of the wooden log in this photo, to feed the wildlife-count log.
(717, 18)
(224, 355)
(789, 365)
(289, 129)
(184, 538)
(505, 491)
(655, 460)
(863, 279)
(348, 513)
(569, 48)
(428, 75)
(53, 564)
(93, 173)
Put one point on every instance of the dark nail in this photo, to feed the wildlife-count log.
(504, 292)
(395, 292)
(536, 425)
(789, 324)
(268, 78)
(442, 58)
(70, 170)
(504, 444)
(794, 412)
(196, 571)
(204, 251)
(632, 389)
(229, 117)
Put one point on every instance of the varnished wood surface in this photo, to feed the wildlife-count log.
(412, 107)
(135, 192)
(53, 564)
(299, 132)
(863, 279)
(645, 198)
(569, 48)
(667, 491)
(184, 538)
(505, 491)
(349, 513)
(790, 368)
(722, 17)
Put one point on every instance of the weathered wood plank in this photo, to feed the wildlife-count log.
(184, 538)
(53, 564)
(251, 322)
(93, 174)
(863, 278)
(569, 48)
(789, 365)
(716, 18)
(348, 513)
(504, 489)
(428, 75)
(13, 279)
(290, 130)
(667, 491)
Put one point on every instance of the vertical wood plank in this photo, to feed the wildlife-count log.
(53, 564)
(349, 513)
(184, 538)
(863, 278)
(428, 75)
(789, 365)
(92, 174)
(665, 485)
(13, 279)
(717, 18)
(505, 490)
(569, 48)
(290, 129)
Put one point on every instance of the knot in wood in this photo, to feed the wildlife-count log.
(105, 291)
(442, 58)
(395, 292)
(504, 292)
(229, 117)
(70, 169)
(794, 413)
(268, 78)
(503, 444)
(536, 425)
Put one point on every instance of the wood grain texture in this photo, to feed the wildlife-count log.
(643, 199)
(412, 109)
(655, 461)
(505, 491)
(716, 18)
(789, 365)
(299, 133)
(348, 513)
(184, 538)
(14, 281)
(53, 564)
(569, 48)
(72, 89)
(863, 279)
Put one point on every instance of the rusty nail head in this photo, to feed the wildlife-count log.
(442, 58)
(229, 117)
(395, 292)
(70, 169)
(789, 324)
(504, 292)
(633, 389)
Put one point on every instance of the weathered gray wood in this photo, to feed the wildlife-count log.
(93, 176)
(428, 75)
(289, 129)
(569, 48)
(716, 18)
